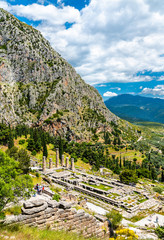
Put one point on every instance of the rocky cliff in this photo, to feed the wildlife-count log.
(38, 87)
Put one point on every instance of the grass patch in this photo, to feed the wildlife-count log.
(101, 186)
(137, 217)
(26, 233)
(82, 165)
(142, 200)
(36, 180)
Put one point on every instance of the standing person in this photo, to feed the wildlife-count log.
(37, 187)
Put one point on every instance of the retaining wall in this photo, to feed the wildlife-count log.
(60, 216)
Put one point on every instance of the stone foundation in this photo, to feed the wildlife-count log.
(60, 216)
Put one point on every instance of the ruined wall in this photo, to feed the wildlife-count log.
(58, 216)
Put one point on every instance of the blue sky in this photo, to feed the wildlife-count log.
(115, 45)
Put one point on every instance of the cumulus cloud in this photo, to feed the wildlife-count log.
(110, 94)
(156, 91)
(140, 87)
(109, 41)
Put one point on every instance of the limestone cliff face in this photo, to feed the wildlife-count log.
(38, 87)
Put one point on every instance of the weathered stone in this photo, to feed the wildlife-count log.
(31, 204)
(64, 205)
(53, 203)
(67, 162)
(30, 211)
(50, 163)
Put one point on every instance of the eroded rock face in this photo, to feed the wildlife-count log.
(37, 86)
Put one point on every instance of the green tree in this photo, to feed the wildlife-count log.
(4, 134)
(24, 160)
(128, 176)
(11, 139)
(13, 184)
(60, 148)
(31, 144)
(45, 152)
(12, 152)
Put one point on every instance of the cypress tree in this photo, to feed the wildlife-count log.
(120, 162)
(45, 152)
(60, 148)
(11, 140)
(162, 176)
(124, 162)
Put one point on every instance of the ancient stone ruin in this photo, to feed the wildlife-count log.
(63, 164)
(60, 215)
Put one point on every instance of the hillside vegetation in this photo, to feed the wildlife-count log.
(137, 108)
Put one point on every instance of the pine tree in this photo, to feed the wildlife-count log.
(119, 141)
(11, 140)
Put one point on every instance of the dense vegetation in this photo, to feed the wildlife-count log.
(13, 183)
(95, 153)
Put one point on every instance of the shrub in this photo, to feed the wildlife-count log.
(37, 175)
(115, 218)
(2, 215)
(56, 197)
(128, 176)
(33, 153)
(158, 189)
(126, 234)
(16, 210)
(160, 232)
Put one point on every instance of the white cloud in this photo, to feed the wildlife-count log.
(102, 85)
(4, 5)
(117, 88)
(51, 14)
(140, 87)
(110, 94)
(161, 78)
(110, 41)
(156, 91)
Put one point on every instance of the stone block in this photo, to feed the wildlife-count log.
(41, 221)
(64, 205)
(31, 211)
(53, 204)
(35, 203)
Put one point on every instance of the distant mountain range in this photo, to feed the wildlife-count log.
(137, 108)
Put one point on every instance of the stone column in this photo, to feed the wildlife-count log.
(62, 161)
(67, 162)
(57, 157)
(44, 164)
(72, 164)
(50, 163)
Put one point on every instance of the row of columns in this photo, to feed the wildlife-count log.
(57, 162)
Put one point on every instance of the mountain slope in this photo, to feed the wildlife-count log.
(38, 87)
(137, 108)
